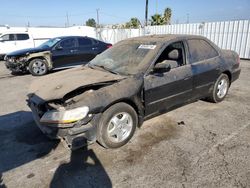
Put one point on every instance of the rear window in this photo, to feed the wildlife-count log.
(22, 36)
(200, 50)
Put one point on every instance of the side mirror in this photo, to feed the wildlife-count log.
(162, 67)
(165, 66)
(58, 47)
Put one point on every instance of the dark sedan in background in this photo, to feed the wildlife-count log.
(133, 81)
(56, 53)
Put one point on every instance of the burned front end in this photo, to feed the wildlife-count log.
(16, 64)
(75, 127)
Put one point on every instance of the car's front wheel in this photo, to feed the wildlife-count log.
(117, 125)
(220, 89)
(38, 67)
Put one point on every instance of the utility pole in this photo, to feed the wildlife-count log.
(156, 6)
(187, 17)
(146, 13)
(98, 24)
(67, 16)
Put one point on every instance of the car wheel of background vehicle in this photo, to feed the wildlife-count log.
(117, 125)
(38, 67)
(220, 89)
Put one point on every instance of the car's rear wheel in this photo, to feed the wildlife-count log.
(117, 125)
(38, 67)
(220, 89)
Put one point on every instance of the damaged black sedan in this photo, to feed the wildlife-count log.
(133, 81)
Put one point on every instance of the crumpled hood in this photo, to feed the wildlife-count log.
(23, 52)
(57, 85)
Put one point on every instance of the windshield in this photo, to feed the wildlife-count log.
(125, 59)
(50, 43)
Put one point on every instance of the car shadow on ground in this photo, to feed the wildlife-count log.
(83, 170)
(22, 142)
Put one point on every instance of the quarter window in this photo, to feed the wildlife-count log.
(200, 50)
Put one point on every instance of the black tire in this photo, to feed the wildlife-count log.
(105, 121)
(41, 63)
(214, 96)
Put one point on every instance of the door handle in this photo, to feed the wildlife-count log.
(187, 78)
(94, 48)
(73, 51)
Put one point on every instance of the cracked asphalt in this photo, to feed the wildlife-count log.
(198, 145)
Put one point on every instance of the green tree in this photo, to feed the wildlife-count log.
(133, 23)
(91, 22)
(157, 19)
(167, 16)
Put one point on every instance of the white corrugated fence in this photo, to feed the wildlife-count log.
(233, 35)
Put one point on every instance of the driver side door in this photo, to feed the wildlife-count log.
(65, 53)
(165, 90)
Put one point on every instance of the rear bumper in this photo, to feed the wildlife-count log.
(235, 74)
(75, 136)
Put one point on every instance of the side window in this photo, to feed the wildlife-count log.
(200, 50)
(84, 42)
(68, 43)
(8, 37)
(22, 36)
(174, 54)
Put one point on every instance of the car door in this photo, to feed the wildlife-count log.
(163, 91)
(8, 42)
(64, 54)
(204, 60)
(88, 49)
(23, 40)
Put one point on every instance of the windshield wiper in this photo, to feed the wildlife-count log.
(104, 68)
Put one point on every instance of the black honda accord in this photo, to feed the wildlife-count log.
(133, 81)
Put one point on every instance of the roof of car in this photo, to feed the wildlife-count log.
(164, 37)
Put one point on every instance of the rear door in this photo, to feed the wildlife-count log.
(204, 60)
(64, 54)
(87, 50)
(23, 40)
(166, 90)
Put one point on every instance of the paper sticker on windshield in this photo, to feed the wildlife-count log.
(145, 46)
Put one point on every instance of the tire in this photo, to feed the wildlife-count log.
(117, 125)
(220, 89)
(38, 67)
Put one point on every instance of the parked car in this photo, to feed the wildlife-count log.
(133, 81)
(56, 53)
(15, 40)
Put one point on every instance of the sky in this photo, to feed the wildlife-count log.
(54, 12)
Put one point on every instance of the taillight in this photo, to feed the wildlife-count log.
(109, 45)
(238, 60)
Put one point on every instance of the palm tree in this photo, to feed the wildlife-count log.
(157, 19)
(167, 16)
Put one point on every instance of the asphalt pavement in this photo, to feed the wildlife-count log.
(198, 145)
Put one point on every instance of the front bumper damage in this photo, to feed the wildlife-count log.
(16, 66)
(74, 135)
